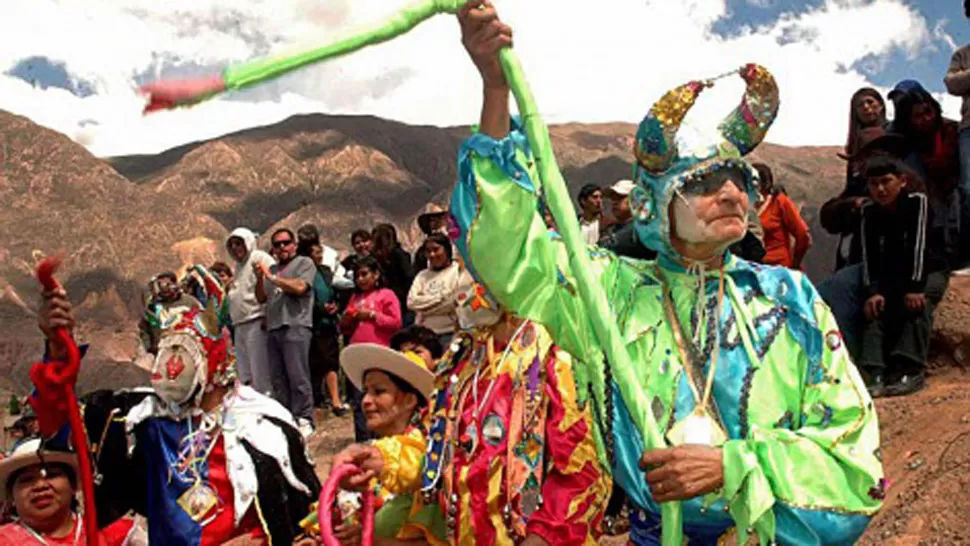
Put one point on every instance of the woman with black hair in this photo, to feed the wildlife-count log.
(396, 264)
(433, 296)
(867, 109)
(373, 313)
(396, 388)
(40, 481)
(782, 223)
(362, 242)
(840, 214)
(933, 152)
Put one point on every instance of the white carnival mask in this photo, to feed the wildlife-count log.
(476, 307)
(180, 368)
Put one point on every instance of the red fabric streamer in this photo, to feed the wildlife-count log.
(328, 495)
(170, 94)
(55, 401)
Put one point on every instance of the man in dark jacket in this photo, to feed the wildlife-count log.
(842, 216)
(904, 275)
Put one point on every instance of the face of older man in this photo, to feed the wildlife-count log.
(712, 212)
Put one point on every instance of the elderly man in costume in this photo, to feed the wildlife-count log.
(204, 458)
(768, 425)
(510, 455)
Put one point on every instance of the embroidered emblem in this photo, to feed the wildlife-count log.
(528, 336)
(531, 496)
(530, 451)
(827, 413)
(469, 440)
(833, 340)
(493, 431)
(658, 408)
(174, 367)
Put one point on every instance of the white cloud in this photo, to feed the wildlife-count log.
(603, 64)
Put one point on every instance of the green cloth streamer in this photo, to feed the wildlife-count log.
(557, 195)
(590, 291)
(245, 75)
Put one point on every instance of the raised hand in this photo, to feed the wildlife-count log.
(367, 458)
(55, 312)
(483, 35)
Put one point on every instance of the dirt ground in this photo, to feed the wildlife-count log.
(926, 445)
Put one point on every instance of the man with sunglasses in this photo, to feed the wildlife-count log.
(287, 290)
(766, 427)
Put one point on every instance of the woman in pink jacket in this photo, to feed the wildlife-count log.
(374, 312)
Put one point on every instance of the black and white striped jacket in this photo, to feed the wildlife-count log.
(898, 247)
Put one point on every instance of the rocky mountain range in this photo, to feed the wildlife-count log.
(119, 221)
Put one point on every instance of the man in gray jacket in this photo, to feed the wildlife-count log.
(248, 315)
(287, 291)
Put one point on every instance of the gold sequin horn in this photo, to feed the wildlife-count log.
(741, 131)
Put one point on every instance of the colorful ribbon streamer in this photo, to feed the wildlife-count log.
(168, 95)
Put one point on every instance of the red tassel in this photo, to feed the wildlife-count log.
(169, 94)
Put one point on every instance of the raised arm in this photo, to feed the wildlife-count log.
(500, 233)
(305, 272)
(483, 35)
(117, 489)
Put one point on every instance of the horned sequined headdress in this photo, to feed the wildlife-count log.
(662, 169)
(194, 351)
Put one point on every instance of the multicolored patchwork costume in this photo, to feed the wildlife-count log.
(200, 478)
(801, 441)
(509, 452)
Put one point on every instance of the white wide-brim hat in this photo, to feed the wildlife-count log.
(360, 358)
(29, 453)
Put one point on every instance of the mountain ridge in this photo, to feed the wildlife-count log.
(120, 220)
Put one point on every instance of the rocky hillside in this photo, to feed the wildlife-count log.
(121, 220)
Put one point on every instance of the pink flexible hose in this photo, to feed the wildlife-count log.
(328, 496)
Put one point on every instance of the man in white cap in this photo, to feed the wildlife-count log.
(620, 236)
(619, 196)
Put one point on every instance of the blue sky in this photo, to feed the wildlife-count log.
(928, 67)
(75, 66)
